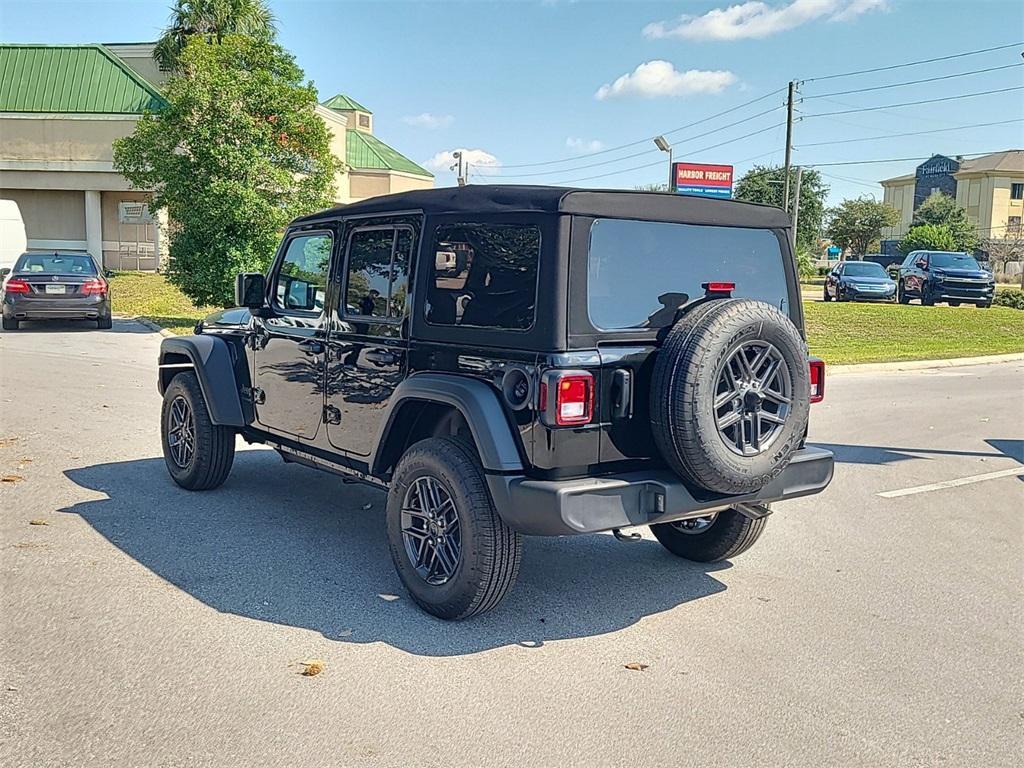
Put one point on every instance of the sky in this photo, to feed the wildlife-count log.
(550, 91)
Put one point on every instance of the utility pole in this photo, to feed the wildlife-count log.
(460, 165)
(789, 143)
(796, 203)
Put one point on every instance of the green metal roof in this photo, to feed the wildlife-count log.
(341, 102)
(83, 79)
(364, 150)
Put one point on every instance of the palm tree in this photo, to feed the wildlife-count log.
(212, 19)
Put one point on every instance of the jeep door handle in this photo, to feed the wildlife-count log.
(381, 357)
(312, 347)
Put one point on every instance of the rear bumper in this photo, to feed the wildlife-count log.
(78, 308)
(589, 505)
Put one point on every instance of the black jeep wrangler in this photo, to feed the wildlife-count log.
(516, 360)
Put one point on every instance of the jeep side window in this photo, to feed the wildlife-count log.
(302, 278)
(378, 272)
(484, 275)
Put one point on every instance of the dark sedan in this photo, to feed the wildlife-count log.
(52, 286)
(859, 281)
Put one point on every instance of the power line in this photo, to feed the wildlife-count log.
(915, 82)
(650, 138)
(719, 129)
(914, 103)
(911, 133)
(914, 63)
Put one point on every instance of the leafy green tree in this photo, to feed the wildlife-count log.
(856, 224)
(237, 153)
(764, 184)
(212, 20)
(943, 210)
(928, 237)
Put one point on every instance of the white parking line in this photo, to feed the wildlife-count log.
(952, 483)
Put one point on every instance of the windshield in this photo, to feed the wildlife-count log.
(864, 269)
(56, 264)
(953, 261)
(640, 272)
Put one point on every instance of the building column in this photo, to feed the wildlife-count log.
(94, 226)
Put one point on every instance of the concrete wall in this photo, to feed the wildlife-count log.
(49, 216)
(901, 197)
(139, 56)
(127, 246)
(61, 139)
(363, 183)
(987, 200)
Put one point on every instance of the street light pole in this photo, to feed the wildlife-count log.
(661, 143)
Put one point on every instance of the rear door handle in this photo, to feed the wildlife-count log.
(381, 357)
(312, 347)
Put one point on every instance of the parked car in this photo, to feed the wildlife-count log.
(859, 281)
(54, 286)
(601, 360)
(955, 278)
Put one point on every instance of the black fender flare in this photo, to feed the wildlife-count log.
(476, 401)
(211, 359)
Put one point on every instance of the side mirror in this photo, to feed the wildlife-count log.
(108, 273)
(4, 271)
(250, 290)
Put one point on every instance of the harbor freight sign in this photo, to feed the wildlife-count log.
(702, 179)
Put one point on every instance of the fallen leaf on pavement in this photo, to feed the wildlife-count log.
(38, 522)
(30, 545)
(312, 667)
(7, 442)
(11, 479)
(636, 666)
(343, 633)
(389, 598)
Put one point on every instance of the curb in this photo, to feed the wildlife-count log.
(144, 322)
(923, 365)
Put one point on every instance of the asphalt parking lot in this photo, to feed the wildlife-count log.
(877, 624)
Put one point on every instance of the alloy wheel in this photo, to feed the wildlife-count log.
(430, 530)
(752, 397)
(181, 432)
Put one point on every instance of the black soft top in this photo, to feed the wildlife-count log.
(607, 203)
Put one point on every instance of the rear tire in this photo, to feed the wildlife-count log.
(729, 534)
(452, 550)
(11, 323)
(105, 323)
(198, 453)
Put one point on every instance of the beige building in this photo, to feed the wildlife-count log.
(62, 107)
(989, 188)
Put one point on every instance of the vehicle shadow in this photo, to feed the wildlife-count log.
(288, 545)
(79, 326)
(880, 454)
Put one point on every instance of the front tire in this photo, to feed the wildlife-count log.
(927, 300)
(452, 551)
(828, 296)
(198, 453)
(721, 536)
(901, 294)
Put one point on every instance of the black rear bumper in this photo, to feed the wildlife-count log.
(593, 504)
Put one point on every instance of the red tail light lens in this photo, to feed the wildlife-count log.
(567, 398)
(94, 287)
(817, 379)
(15, 285)
(719, 287)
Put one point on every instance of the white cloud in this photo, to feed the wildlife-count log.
(756, 19)
(660, 78)
(477, 158)
(583, 145)
(429, 121)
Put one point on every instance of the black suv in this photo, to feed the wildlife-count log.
(955, 278)
(516, 360)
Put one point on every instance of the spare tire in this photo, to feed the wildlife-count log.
(730, 395)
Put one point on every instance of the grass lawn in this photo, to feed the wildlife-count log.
(871, 333)
(837, 333)
(149, 295)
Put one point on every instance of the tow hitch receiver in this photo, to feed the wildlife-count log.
(753, 511)
(618, 534)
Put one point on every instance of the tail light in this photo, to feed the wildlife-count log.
(817, 379)
(567, 398)
(94, 287)
(716, 289)
(16, 285)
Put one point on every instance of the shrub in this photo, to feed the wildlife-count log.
(1012, 298)
(928, 237)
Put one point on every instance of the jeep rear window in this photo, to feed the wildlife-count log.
(640, 272)
(484, 275)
